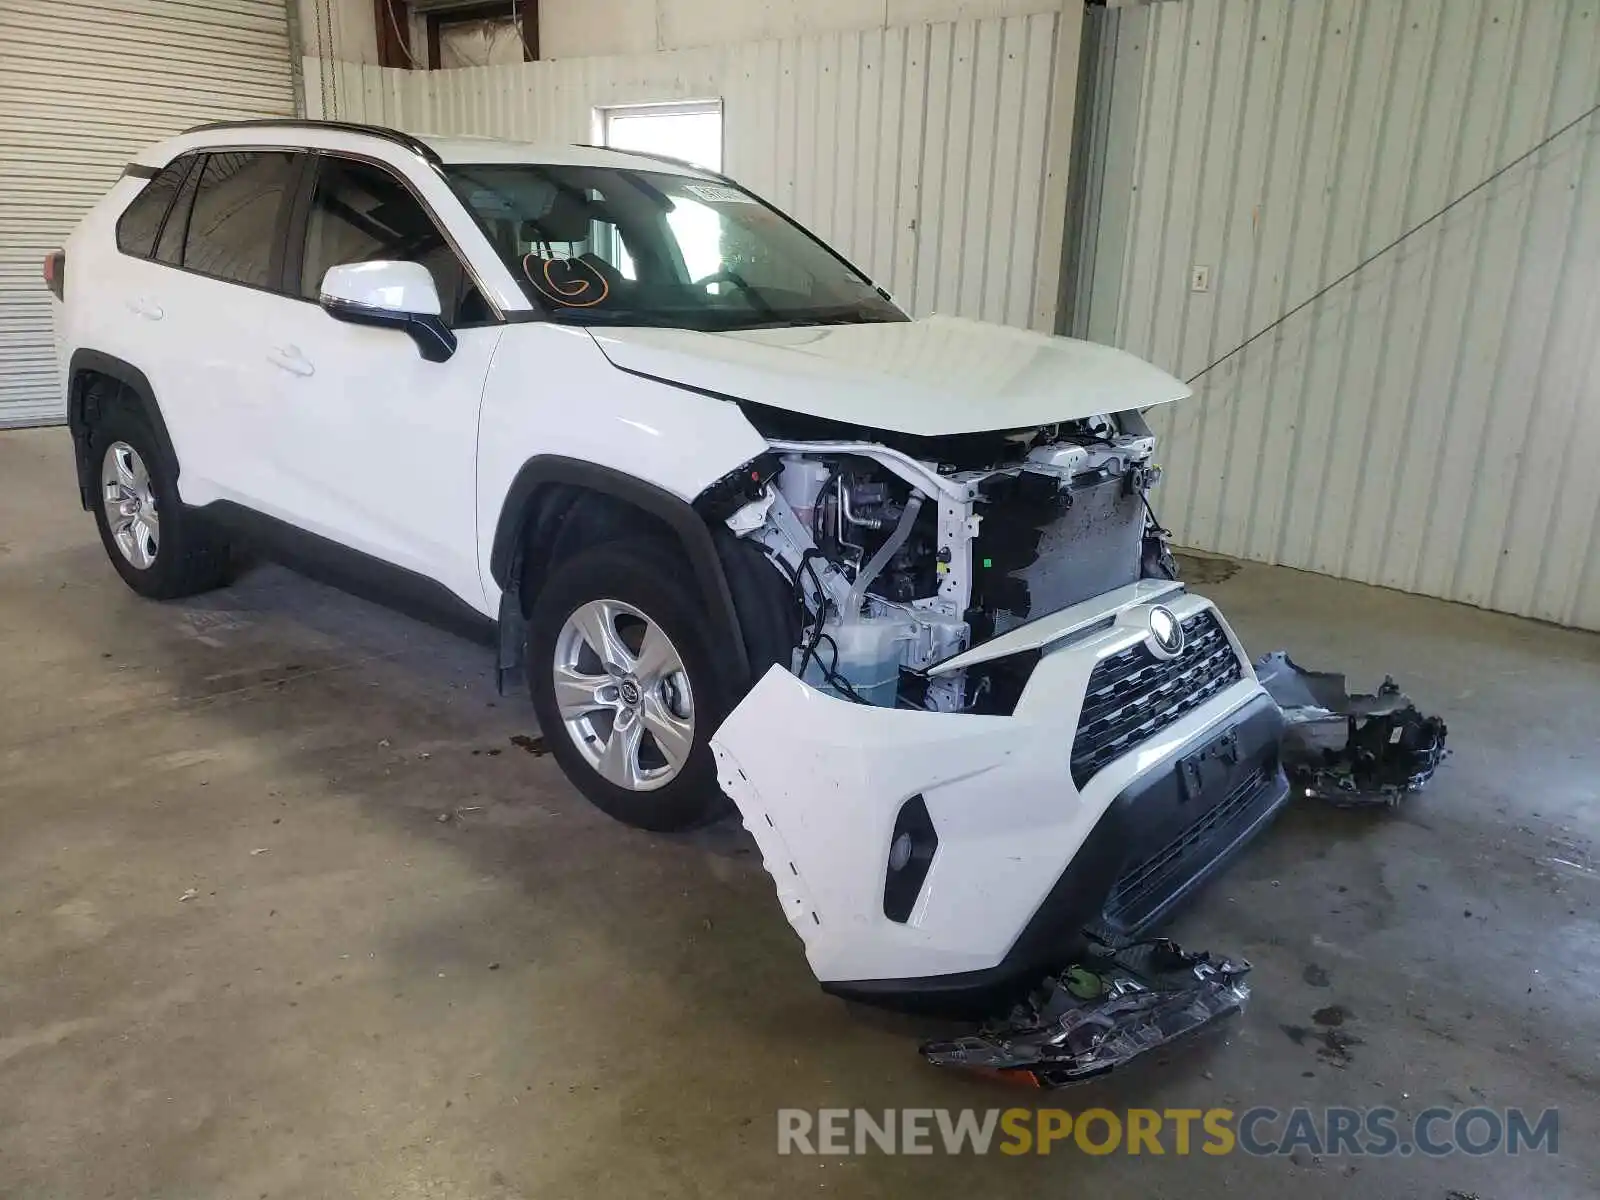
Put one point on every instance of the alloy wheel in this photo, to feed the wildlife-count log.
(624, 695)
(130, 505)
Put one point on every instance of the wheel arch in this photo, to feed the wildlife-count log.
(557, 504)
(84, 369)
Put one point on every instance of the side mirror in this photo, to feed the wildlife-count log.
(392, 295)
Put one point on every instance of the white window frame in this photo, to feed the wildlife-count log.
(605, 114)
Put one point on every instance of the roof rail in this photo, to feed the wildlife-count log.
(414, 144)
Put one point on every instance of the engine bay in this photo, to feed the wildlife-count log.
(899, 560)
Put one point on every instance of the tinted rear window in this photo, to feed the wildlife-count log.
(233, 227)
(169, 243)
(139, 224)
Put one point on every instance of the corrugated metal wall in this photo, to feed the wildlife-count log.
(930, 155)
(83, 87)
(1434, 423)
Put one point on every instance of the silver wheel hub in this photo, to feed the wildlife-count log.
(130, 505)
(624, 695)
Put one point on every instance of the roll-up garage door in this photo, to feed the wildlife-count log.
(84, 84)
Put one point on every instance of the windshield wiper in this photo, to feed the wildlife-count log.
(697, 320)
(600, 316)
(850, 317)
(756, 299)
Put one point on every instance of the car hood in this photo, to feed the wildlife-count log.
(927, 378)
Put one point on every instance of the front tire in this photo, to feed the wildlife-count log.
(621, 671)
(161, 550)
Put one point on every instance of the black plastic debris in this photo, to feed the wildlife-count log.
(1101, 1013)
(1351, 751)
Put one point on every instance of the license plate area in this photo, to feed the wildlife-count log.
(1206, 775)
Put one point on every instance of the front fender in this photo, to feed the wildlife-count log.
(552, 395)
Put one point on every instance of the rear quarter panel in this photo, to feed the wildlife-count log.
(94, 313)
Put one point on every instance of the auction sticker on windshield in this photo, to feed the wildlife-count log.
(713, 193)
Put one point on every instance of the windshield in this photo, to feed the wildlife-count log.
(608, 245)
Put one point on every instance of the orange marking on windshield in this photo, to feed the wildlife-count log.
(565, 294)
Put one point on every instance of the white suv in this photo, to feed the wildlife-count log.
(746, 530)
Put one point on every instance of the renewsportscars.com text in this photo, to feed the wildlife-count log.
(1259, 1131)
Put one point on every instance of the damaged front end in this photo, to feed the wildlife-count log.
(1008, 739)
(1004, 733)
(903, 552)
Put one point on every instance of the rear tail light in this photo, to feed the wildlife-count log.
(55, 272)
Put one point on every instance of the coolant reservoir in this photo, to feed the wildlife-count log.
(799, 482)
(869, 658)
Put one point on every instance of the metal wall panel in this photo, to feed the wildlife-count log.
(924, 153)
(83, 86)
(591, 28)
(1434, 423)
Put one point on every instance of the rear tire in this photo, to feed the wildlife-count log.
(162, 550)
(630, 727)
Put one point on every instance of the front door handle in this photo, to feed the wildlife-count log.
(291, 360)
(146, 309)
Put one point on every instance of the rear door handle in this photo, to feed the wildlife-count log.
(291, 360)
(146, 309)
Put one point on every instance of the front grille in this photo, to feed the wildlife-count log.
(1133, 695)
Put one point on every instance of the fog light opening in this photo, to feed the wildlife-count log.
(910, 855)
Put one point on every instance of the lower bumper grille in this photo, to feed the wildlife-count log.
(1133, 695)
(1147, 889)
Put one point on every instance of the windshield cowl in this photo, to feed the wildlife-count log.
(704, 323)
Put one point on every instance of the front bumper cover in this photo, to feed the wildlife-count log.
(1158, 841)
(1025, 859)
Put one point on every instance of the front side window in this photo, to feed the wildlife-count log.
(233, 226)
(362, 213)
(140, 223)
(624, 247)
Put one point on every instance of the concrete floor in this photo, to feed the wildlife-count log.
(416, 963)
